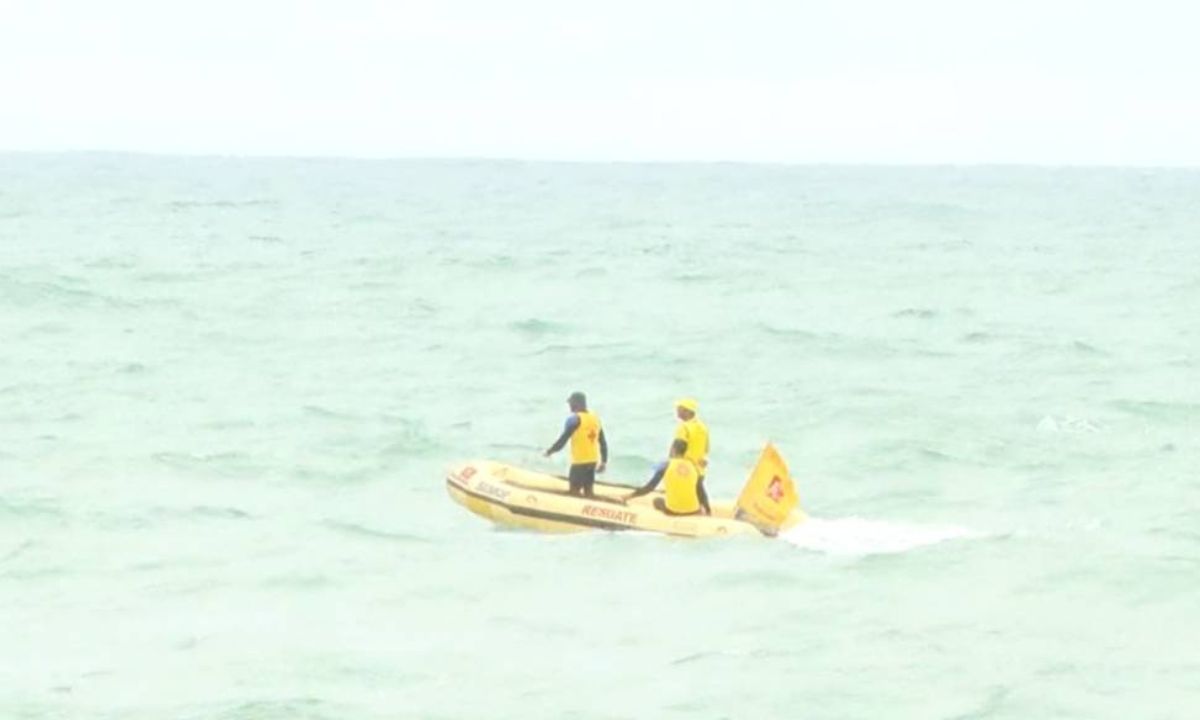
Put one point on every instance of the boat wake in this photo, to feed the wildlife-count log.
(859, 536)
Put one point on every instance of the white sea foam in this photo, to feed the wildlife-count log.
(860, 536)
(1067, 424)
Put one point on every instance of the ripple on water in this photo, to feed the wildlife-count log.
(410, 438)
(328, 414)
(1158, 409)
(228, 464)
(916, 313)
(17, 551)
(359, 531)
(206, 512)
(537, 327)
(298, 708)
(34, 507)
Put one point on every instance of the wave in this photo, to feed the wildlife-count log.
(410, 438)
(553, 349)
(1157, 409)
(112, 263)
(347, 528)
(223, 204)
(1067, 424)
(16, 552)
(422, 308)
(832, 342)
(919, 313)
(46, 328)
(534, 326)
(301, 708)
(327, 413)
(488, 262)
(31, 507)
(695, 278)
(977, 338)
(859, 536)
(65, 291)
(229, 464)
(1086, 349)
(793, 333)
(735, 655)
(206, 512)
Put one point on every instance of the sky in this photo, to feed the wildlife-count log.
(852, 81)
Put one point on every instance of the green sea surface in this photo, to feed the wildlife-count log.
(230, 389)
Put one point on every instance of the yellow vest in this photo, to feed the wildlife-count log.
(585, 441)
(696, 435)
(681, 479)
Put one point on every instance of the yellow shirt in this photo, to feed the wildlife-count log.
(681, 479)
(585, 441)
(696, 435)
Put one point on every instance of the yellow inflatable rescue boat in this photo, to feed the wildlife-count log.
(512, 497)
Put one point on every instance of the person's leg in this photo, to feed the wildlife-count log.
(589, 480)
(581, 478)
(702, 494)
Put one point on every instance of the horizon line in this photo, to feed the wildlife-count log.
(508, 159)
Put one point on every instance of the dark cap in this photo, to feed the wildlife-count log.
(577, 399)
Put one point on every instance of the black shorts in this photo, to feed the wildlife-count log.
(582, 479)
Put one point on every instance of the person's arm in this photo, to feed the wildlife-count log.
(568, 427)
(649, 486)
(603, 452)
(700, 493)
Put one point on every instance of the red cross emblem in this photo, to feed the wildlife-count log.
(591, 434)
(775, 489)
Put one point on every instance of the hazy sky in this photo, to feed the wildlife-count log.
(837, 81)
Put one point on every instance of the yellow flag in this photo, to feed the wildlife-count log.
(770, 495)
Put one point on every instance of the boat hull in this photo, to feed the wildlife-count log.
(513, 497)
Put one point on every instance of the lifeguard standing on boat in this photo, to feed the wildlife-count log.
(589, 448)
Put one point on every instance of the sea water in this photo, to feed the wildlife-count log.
(230, 388)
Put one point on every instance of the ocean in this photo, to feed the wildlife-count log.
(230, 389)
